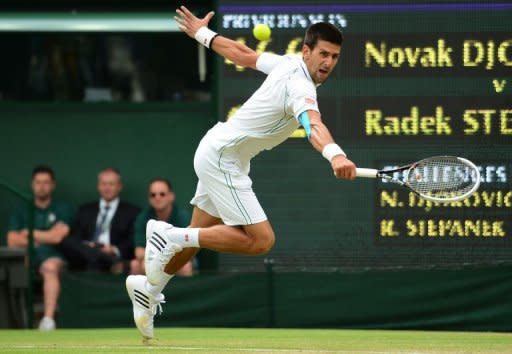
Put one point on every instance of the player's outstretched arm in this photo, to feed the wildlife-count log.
(322, 141)
(197, 28)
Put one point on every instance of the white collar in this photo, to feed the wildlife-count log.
(112, 204)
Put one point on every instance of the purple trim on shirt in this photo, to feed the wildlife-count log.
(366, 7)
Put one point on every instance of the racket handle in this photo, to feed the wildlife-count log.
(366, 172)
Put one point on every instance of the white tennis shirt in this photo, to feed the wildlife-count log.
(270, 115)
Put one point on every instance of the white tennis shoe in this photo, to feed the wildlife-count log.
(47, 324)
(145, 305)
(159, 249)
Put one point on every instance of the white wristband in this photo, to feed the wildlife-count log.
(205, 36)
(331, 150)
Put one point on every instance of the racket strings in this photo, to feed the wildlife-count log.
(443, 177)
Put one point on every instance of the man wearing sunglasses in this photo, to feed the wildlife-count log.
(161, 207)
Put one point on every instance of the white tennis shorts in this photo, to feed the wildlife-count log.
(224, 189)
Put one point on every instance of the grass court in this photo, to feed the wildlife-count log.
(226, 340)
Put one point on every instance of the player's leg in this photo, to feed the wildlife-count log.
(186, 271)
(246, 230)
(157, 280)
(227, 196)
(147, 298)
(253, 240)
(200, 218)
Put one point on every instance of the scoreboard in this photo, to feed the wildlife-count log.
(414, 80)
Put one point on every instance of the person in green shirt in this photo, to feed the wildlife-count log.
(161, 207)
(51, 226)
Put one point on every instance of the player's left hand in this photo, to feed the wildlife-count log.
(189, 23)
(343, 167)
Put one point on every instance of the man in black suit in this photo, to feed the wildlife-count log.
(106, 226)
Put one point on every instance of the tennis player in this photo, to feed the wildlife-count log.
(227, 216)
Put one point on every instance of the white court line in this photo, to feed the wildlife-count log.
(206, 349)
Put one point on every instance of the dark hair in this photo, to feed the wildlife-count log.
(43, 169)
(324, 31)
(163, 180)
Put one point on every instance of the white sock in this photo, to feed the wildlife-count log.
(188, 237)
(157, 289)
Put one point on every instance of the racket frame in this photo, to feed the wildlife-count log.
(385, 174)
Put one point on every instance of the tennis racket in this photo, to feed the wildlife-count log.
(437, 178)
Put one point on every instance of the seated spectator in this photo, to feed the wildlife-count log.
(51, 226)
(105, 227)
(161, 200)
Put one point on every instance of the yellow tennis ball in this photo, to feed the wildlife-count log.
(261, 32)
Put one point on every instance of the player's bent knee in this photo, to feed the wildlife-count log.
(261, 238)
(264, 244)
